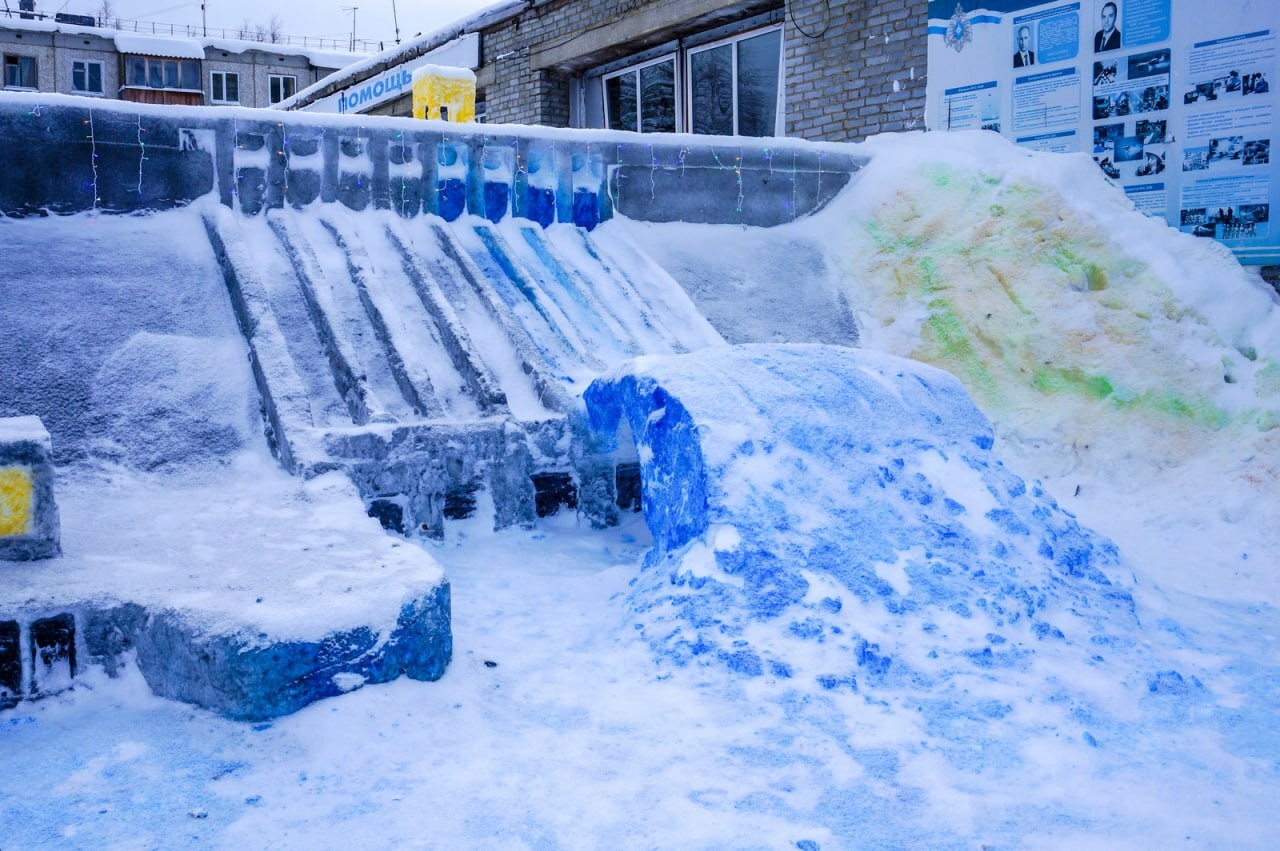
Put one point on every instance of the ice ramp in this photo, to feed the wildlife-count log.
(433, 360)
(837, 516)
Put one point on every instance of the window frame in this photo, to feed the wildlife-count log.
(678, 90)
(35, 72)
(102, 78)
(213, 97)
(779, 117)
(272, 78)
(158, 64)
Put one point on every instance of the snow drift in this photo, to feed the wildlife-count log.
(808, 498)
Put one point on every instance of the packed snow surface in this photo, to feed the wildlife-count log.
(1130, 370)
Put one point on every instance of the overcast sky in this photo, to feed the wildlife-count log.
(325, 18)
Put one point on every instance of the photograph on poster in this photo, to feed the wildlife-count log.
(1108, 35)
(1149, 64)
(1151, 132)
(1231, 221)
(1105, 72)
(1152, 161)
(1233, 83)
(1226, 153)
(1149, 99)
(1023, 55)
(1125, 157)
(989, 112)
(1139, 154)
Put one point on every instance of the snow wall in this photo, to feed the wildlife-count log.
(65, 155)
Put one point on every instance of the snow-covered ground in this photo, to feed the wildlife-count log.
(1133, 370)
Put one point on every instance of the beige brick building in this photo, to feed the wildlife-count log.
(838, 70)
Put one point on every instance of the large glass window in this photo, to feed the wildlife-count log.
(151, 73)
(711, 90)
(86, 77)
(20, 72)
(733, 85)
(643, 97)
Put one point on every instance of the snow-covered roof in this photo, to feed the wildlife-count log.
(150, 45)
(406, 52)
(192, 47)
(444, 72)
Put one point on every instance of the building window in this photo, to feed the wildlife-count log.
(145, 72)
(86, 77)
(643, 97)
(282, 86)
(733, 85)
(20, 72)
(226, 86)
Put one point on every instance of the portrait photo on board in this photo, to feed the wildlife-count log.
(1024, 53)
(1108, 35)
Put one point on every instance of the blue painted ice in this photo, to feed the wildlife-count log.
(838, 517)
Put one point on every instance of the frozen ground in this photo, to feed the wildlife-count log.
(572, 739)
(1131, 369)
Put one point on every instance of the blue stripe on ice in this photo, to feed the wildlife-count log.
(773, 474)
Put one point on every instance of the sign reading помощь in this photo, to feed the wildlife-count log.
(1172, 98)
(462, 52)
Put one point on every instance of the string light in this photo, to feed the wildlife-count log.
(282, 153)
(404, 189)
(617, 161)
(818, 194)
(142, 154)
(737, 169)
(653, 170)
(515, 180)
(235, 146)
(93, 159)
(793, 184)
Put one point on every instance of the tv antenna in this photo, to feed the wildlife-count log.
(352, 10)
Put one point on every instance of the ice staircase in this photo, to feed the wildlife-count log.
(433, 360)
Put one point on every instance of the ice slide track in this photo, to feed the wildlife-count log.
(586, 301)
(382, 345)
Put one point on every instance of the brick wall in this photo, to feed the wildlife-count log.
(521, 95)
(854, 67)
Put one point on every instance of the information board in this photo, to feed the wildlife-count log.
(1172, 98)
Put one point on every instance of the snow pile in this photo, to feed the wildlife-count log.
(837, 518)
(1031, 278)
(1125, 363)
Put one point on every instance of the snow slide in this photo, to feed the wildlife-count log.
(433, 360)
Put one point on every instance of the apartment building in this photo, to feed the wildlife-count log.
(75, 58)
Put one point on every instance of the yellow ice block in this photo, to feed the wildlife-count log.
(16, 497)
(453, 89)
